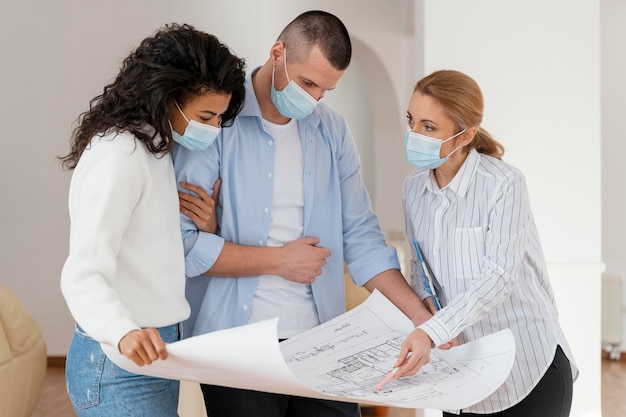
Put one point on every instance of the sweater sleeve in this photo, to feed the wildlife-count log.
(106, 185)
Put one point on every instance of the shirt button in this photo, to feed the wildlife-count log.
(270, 142)
(245, 307)
(266, 210)
(260, 243)
(269, 175)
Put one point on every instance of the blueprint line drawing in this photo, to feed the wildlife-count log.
(348, 356)
(342, 359)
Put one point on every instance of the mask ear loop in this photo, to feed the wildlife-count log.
(285, 63)
(452, 137)
(274, 68)
(181, 112)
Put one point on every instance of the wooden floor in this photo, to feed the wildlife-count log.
(613, 388)
(54, 401)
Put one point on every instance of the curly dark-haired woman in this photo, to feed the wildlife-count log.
(124, 280)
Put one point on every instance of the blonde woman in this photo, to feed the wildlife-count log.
(468, 215)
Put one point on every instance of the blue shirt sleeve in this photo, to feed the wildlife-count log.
(202, 169)
(365, 250)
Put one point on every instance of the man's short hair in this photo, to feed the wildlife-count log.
(321, 29)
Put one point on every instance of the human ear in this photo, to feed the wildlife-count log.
(277, 51)
(469, 135)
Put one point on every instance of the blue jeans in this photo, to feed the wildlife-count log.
(99, 388)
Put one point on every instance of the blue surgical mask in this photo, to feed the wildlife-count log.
(423, 151)
(292, 101)
(197, 136)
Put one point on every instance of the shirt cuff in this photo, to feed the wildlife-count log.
(437, 332)
(116, 330)
(384, 260)
(203, 254)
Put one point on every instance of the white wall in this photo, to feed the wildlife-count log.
(538, 65)
(537, 62)
(614, 143)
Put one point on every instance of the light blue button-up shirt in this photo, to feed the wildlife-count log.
(337, 210)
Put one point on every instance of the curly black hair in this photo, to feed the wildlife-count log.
(177, 63)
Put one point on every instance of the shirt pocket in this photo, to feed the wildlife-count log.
(469, 251)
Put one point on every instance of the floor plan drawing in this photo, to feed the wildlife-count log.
(350, 355)
(343, 359)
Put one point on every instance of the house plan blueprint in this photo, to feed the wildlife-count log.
(343, 359)
(349, 355)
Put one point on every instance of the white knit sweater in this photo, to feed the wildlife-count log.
(125, 268)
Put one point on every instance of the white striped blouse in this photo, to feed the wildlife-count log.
(479, 238)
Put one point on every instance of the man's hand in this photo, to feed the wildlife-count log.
(429, 303)
(143, 346)
(302, 260)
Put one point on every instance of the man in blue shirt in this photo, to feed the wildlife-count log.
(292, 208)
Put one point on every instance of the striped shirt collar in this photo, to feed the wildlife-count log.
(461, 182)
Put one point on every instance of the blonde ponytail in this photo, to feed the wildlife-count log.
(485, 143)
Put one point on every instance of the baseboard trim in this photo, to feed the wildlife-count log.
(606, 356)
(56, 361)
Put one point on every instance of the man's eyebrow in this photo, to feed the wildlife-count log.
(316, 85)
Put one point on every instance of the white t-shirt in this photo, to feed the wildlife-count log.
(125, 268)
(276, 296)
